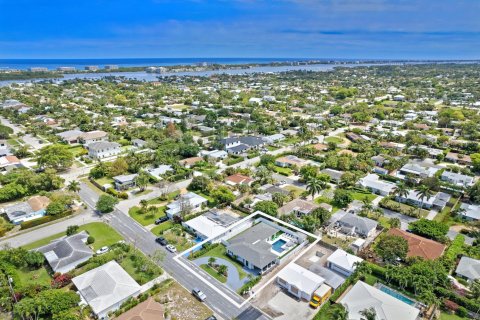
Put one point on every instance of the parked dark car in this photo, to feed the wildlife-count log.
(162, 241)
(211, 318)
(161, 219)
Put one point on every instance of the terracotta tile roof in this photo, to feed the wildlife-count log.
(420, 246)
(190, 161)
(238, 178)
(38, 202)
(147, 310)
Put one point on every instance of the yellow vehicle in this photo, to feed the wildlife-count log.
(320, 296)
(315, 302)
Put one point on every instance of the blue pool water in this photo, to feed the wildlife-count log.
(277, 245)
(397, 295)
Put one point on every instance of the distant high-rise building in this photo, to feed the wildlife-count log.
(66, 69)
(38, 69)
(111, 67)
(91, 68)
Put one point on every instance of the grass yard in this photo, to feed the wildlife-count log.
(297, 191)
(213, 273)
(29, 277)
(92, 186)
(141, 277)
(13, 142)
(104, 236)
(162, 227)
(105, 180)
(338, 242)
(147, 218)
(221, 252)
(78, 151)
(282, 171)
(334, 139)
(447, 316)
(169, 197)
(360, 196)
(180, 303)
(328, 201)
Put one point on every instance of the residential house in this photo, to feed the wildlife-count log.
(469, 212)
(298, 207)
(299, 282)
(190, 162)
(387, 307)
(93, 136)
(418, 170)
(216, 155)
(103, 149)
(290, 161)
(9, 161)
(352, 224)
(458, 158)
(186, 203)
(335, 175)
(437, 201)
(70, 136)
(237, 179)
(274, 138)
(468, 268)
(419, 246)
(238, 145)
(373, 183)
(343, 262)
(4, 148)
(64, 255)
(139, 143)
(159, 171)
(457, 179)
(125, 181)
(210, 224)
(33, 208)
(106, 288)
(146, 310)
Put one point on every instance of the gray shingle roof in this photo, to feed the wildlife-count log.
(469, 268)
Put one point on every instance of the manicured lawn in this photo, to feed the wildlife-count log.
(77, 150)
(147, 218)
(38, 277)
(92, 186)
(297, 191)
(13, 142)
(360, 196)
(406, 207)
(170, 197)
(141, 277)
(164, 226)
(221, 252)
(105, 180)
(446, 316)
(280, 170)
(336, 140)
(328, 201)
(214, 273)
(104, 236)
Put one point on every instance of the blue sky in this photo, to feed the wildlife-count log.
(396, 29)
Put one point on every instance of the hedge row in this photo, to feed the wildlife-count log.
(205, 248)
(250, 284)
(38, 221)
(469, 304)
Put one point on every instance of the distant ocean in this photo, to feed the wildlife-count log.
(23, 64)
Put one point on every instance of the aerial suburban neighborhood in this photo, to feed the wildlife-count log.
(348, 193)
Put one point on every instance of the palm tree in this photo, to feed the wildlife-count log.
(314, 186)
(423, 192)
(211, 261)
(338, 312)
(143, 205)
(369, 314)
(401, 190)
(73, 186)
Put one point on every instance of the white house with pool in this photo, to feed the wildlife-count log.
(263, 245)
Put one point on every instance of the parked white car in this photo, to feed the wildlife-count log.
(103, 250)
(171, 248)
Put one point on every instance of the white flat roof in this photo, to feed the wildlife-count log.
(303, 279)
(205, 226)
(344, 259)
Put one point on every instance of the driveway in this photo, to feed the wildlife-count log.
(233, 278)
(290, 307)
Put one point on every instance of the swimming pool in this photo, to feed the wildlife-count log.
(397, 295)
(277, 245)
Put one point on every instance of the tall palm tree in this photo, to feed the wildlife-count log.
(314, 186)
(401, 190)
(369, 314)
(73, 186)
(338, 312)
(423, 192)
